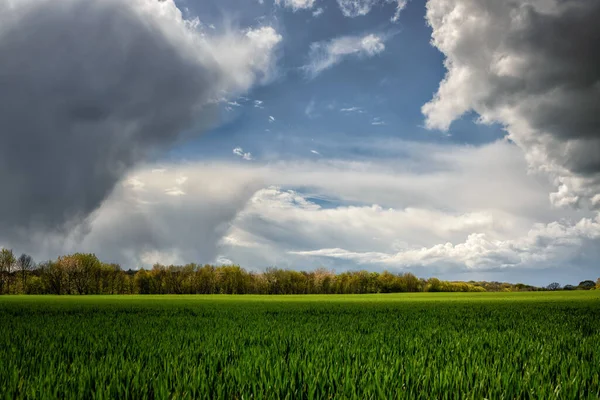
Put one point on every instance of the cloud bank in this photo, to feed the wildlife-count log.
(437, 210)
(544, 246)
(533, 67)
(90, 88)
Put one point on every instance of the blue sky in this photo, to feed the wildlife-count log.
(381, 95)
(453, 138)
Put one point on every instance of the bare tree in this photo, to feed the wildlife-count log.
(25, 264)
(553, 286)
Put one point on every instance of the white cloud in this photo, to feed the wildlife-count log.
(238, 151)
(162, 257)
(352, 110)
(324, 55)
(377, 121)
(175, 191)
(315, 152)
(400, 5)
(516, 64)
(357, 8)
(223, 261)
(318, 12)
(135, 183)
(258, 104)
(271, 118)
(255, 49)
(296, 4)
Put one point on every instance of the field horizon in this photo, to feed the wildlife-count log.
(575, 295)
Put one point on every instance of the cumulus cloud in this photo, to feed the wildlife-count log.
(357, 8)
(324, 55)
(294, 219)
(90, 88)
(296, 4)
(533, 67)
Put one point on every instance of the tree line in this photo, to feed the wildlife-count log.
(82, 274)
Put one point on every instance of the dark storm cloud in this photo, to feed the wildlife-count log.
(563, 63)
(89, 88)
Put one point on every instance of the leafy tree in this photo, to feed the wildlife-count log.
(205, 280)
(81, 273)
(413, 284)
(586, 285)
(54, 277)
(434, 285)
(143, 282)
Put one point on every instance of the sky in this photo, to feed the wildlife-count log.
(449, 138)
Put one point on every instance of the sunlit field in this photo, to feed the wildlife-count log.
(426, 345)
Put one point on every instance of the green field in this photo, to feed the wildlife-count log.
(424, 345)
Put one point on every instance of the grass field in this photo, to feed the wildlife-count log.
(425, 345)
